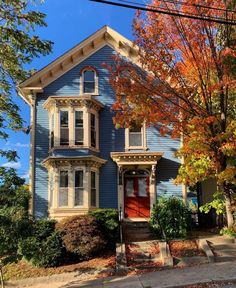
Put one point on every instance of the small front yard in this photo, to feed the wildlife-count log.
(94, 268)
(185, 248)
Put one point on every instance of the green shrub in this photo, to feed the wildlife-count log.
(108, 221)
(82, 236)
(231, 232)
(171, 216)
(44, 248)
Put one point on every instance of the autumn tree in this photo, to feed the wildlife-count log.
(19, 45)
(187, 89)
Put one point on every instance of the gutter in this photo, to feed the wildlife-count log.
(32, 151)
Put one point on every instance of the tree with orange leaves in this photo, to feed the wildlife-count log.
(188, 88)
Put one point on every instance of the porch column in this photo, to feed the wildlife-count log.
(153, 196)
(120, 190)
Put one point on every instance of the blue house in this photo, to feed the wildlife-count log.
(79, 161)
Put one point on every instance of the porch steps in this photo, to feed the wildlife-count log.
(134, 231)
(223, 248)
(143, 255)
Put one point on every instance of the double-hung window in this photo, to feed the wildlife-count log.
(89, 81)
(64, 128)
(79, 188)
(93, 130)
(135, 135)
(93, 189)
(79, 128)
(63, 189)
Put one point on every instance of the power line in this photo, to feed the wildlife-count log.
(171, 10)
(184, 3)
(166, 12)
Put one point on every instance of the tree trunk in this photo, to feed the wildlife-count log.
(229, 213)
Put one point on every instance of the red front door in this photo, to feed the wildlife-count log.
(137, 197)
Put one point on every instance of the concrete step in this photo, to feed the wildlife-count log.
(151, 260)
(224, 246)
(220, 240)
(225, 258)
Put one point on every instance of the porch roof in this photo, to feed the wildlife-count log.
(89, 160)
(136, 158)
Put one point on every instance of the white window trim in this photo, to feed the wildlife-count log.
(143, 137)
(82, 82)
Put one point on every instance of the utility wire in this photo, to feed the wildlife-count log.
(166, 12)
(183, 3)
(175, 10)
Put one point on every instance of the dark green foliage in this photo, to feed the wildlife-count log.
(108, 220)
(19, 45)
(15, 224)
(171, 216)
(82, 236)
(44, 248)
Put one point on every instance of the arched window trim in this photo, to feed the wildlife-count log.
(88, 68)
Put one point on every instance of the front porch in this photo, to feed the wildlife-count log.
(136, 183)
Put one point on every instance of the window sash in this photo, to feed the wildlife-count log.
(64, 128)
(93, 189)
(79, 128)
(63, 189)
(79, 188)
(135, 139)
(93, 130)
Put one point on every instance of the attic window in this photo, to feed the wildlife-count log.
(89, 81)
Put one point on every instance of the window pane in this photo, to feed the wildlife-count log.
(93, 188)
(63, 189)
(64, 137)
(63, 197)
(79, 130)
(79, 197)
(142, 187)
(135, 127)
(89, 87)
(89, 75)
(79, 179)
(135, 139)
(64, 128)
(93, 130)
(64, 118)
(78, 119)
(129, 187)
(63, 178)
(79, 136)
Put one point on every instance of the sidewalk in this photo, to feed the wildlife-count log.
(223, 271)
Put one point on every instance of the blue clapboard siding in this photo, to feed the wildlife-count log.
(111, 139)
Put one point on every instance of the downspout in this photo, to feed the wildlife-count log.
(32, 151)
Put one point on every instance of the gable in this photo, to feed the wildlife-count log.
(103, 37)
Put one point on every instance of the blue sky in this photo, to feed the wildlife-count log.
(69, 22)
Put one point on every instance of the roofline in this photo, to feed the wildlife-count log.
(70, 51)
